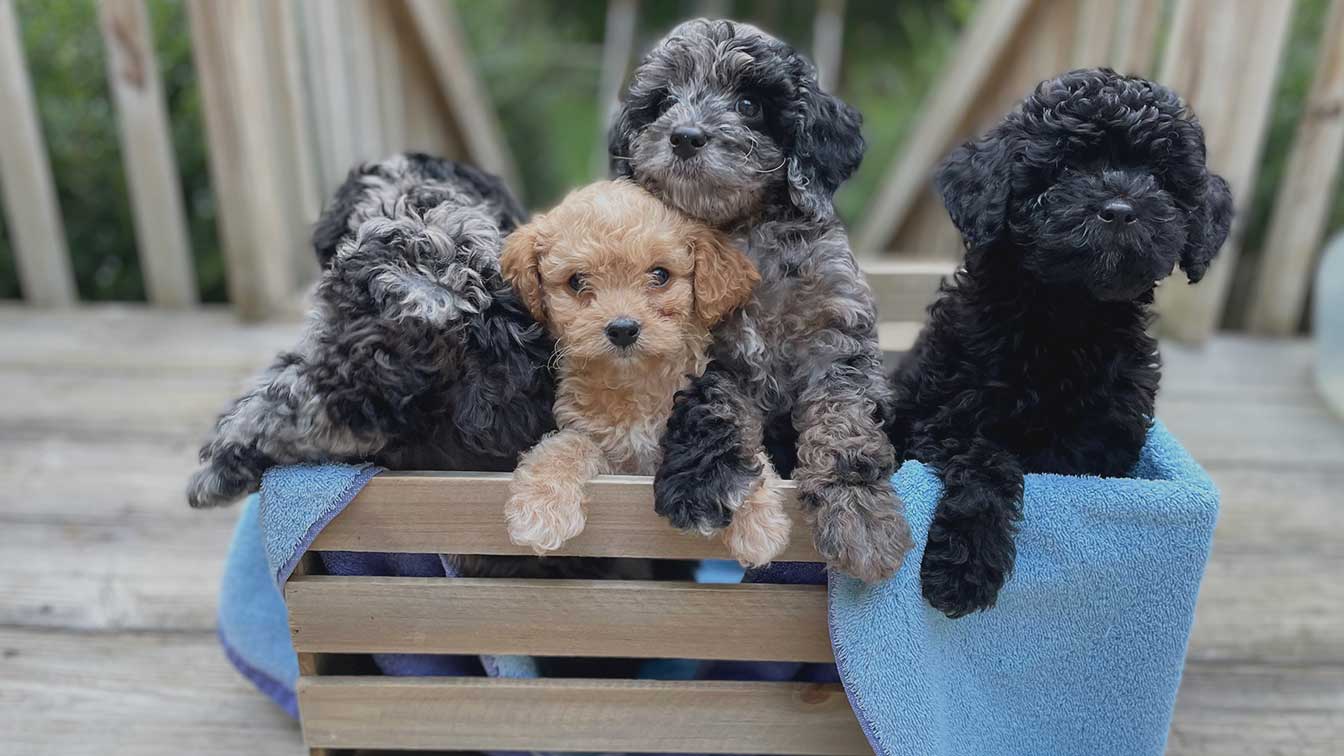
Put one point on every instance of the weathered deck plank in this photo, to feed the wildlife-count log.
(106, 620)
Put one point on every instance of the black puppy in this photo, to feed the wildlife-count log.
(1036, 356)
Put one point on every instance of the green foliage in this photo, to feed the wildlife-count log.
(539, 61)
(66, 64)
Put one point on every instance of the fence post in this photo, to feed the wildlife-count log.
(618, 40)
(1224, 60)
(147, 152)
(33, 216)
(1302, 207)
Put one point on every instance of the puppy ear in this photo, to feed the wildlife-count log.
(520, 263)
(975, 183)
(1209, 225)
(333, 225)
(724, 277)
(827, 148)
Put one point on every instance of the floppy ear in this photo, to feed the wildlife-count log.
(1209, 225)
(724, 277)
(827, 148)
(975, 183)
(519, 263)
(618, 143)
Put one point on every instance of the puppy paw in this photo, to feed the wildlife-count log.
(216, 486)
(965, 564)
(859, 528)
(760, 528)
(543, 518)
(702, 500)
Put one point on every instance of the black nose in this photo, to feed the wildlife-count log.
(687, 140)
(623, 331)
(1117, 211)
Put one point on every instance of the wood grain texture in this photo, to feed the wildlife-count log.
(599, 618)
(579, 715)
(147, 153)
(147, 694)
(1225, 66)
(26, 187)
(463, 513)
(955, 94)
(1302, 205)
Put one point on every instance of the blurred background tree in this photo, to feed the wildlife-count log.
(539, 61)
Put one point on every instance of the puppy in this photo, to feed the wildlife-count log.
(417, 354)
(1036, 356)
(728, 124)
(629, 289)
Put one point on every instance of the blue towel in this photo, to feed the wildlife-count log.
(1083, 652)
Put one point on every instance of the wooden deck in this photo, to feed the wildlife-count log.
(107, 580)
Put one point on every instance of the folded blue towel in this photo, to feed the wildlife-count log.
(1083, 652)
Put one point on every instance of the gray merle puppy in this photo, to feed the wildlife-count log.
(728, 125)
(417, 355)
(1036, 356)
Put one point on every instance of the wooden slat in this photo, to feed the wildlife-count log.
(618, 44)
(251, 148)
(1255, 710)
(463, 513)
(147, 151)
(828, 33)
(1225, 65)
(579, 715)
(441, 35)
(145, 693)
(26, 186)
(983, 43)
(1303, 203)
(602, 618)
(904, 289)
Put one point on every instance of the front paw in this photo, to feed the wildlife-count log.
(544, 517)
(859, 528)
(760, 528)
(216, 485)
(966, 562)
(703, 500)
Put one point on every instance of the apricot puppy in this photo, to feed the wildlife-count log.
(629, 288)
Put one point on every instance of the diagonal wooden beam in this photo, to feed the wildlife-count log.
(983, 44)
(441, 35)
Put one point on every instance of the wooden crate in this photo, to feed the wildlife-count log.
(462, 513)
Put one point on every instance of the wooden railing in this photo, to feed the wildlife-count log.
(295, 92)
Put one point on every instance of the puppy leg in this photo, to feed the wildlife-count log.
(283, 420)
(970, 552)
(711, 453)
(845, 463)
(760, 528)
(546, 508)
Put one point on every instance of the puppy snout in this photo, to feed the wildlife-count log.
(1119, 212)
(687, 141)
(623, 331)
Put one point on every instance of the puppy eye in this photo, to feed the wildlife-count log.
(747, 107)
(660, 276)
(666, 102)
(577, 282)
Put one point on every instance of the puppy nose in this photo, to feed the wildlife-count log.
(1117, 211)
(687, 140)
(623, 331)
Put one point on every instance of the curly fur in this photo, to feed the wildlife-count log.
(417, 355)
(1036, 356)
(614, 239)
(801, 359)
